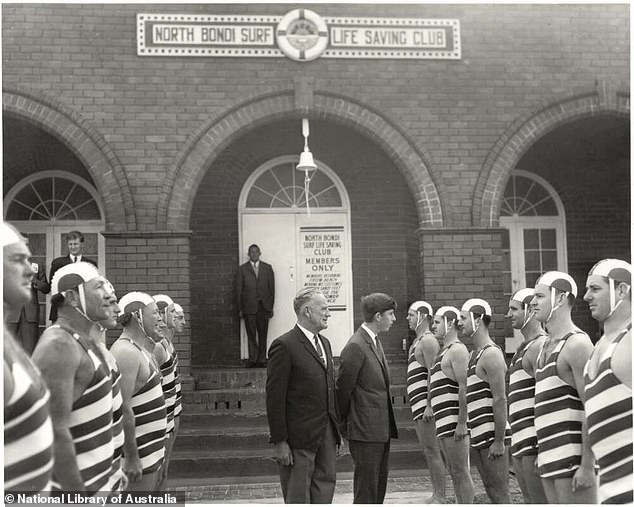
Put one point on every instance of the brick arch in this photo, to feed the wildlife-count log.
(527, 130)
(175, 204)
(87, 144)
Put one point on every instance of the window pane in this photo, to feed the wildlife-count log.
(531, 278)
(549, 260)
(531, 239)
(532, 261)
(549, 238)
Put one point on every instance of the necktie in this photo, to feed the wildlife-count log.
(318, 347)
(255, 268)
(74, 258)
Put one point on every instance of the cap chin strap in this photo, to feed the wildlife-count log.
(81, 309)
(552, 303)
(528, 315)
(475, 329)
(418, 320)
(613, 303)
(139, 319)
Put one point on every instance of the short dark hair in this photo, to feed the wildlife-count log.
(253, 246)
(486, 319)
(75, 235)
(376, 302)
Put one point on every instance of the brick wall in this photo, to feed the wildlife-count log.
(461, 264)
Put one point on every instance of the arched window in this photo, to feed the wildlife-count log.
(279, 185)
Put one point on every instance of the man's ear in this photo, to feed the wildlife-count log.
(72, 297)
(622, 289)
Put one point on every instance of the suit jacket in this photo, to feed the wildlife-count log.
(250, 289)
(32, 308)
(300, 391)
(363, 392)
(57, 263)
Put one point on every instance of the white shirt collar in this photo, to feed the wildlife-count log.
(370, 332)
(309, 335)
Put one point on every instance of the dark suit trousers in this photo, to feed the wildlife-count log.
(27, 333)
(257, 323)
(312, 477)
(371, 466)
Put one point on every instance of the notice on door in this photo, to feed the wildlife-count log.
(322, 263)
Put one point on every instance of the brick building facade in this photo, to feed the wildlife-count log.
(426, 149)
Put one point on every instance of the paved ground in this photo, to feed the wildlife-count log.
(403, 487)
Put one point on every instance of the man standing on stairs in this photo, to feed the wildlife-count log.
(300, 404)
(365, 402)
(255, 291)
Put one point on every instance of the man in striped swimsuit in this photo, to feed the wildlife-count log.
(422, 353)
(564, 459)
(79, 380)
(448, 400)
(28, 431)
(144, 412)
(486, 401)
(608, 379)
(522, 396)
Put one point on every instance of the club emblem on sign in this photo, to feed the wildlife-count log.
(302, 35)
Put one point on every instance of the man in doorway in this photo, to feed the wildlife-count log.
(564, 457)
(255, 290)
(300, 404)
(75, 244)
(365, 401)
(25, 322)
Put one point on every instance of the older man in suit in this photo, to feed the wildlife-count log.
(364, 399)
(255, 290)
(301, 406)
(75, 244)
(25, 322)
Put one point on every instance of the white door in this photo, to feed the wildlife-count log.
(305, 248)
(304, 251)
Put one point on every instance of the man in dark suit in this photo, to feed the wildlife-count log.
(75, 244)
(364, 400)
(255, 289)
(25, 322)
(301, 405)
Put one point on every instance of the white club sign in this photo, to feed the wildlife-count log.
(301, 35)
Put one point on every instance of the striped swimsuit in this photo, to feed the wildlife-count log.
(28, 430)
(609, 413)
(150, 417)
(480, 419)
(559, 415)
(168, 383)
(522, 405)
(117, 420)
(178, 406)
(90, 425)
(417, 376)
(443, 397)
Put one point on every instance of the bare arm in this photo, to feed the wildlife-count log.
(459, 360)
(494, 368)
(59, 360)
(426, 350)
(129, 365)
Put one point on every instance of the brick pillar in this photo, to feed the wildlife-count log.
(459, 264)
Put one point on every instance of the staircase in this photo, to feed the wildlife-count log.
(224, 433)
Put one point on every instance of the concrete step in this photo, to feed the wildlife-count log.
(245, 437)
(214, 463)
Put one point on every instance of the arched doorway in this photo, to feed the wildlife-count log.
(46, 206)
(306, 247)
(535, 241)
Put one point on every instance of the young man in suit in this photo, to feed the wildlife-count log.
(365, 403)
(300, 404)
(75, 244)
(255, 290)
(25, 322)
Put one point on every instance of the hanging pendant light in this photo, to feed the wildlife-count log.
(306, 163)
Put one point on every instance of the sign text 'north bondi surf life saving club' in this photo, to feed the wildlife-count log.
(301, 35)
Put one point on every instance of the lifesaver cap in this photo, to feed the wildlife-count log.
(134, 301)
(417, 306)
(448, 312)
(178, 308)
(613, 269)
(558, 280)
(72, 276)
(162, 301)
(10, 235)
(476, 305)
(524, 296)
